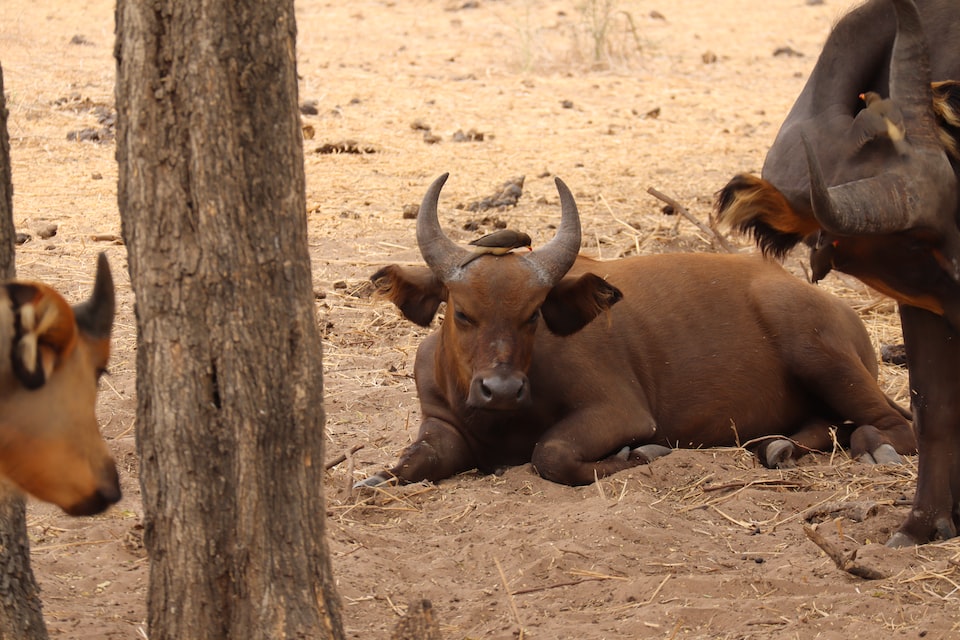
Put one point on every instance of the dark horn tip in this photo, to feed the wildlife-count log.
(440, 181)
(95, 315)
(103, 267)
(565, 195)
(563, 189)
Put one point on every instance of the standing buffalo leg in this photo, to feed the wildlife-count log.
(933, 356)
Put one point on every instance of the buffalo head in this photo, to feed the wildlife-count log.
(494, 304)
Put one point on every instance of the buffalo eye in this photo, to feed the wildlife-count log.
(463, 319)
(534, 317)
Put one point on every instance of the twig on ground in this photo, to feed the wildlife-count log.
(343, 456)
(844, 561)
(679, 208)
(759, 483)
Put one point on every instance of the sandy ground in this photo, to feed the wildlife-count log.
(680, 96)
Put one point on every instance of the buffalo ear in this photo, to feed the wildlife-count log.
(574, 302)
(44, 331)
(416, 291)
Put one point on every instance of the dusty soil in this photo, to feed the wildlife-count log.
(680, 96)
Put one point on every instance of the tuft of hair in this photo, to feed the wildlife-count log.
(946, 107)
(752, 206)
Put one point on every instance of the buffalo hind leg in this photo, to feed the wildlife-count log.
(851, 392)
(782, 452)
(868, 444)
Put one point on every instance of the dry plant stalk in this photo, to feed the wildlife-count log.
(510, 600)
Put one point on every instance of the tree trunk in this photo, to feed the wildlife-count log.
(20, 614)
(229, 381)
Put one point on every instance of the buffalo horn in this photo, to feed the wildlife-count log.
(556, 257)
(95, 315)
(918, 187)
(442, 255)
(910, 76)
(869, 206)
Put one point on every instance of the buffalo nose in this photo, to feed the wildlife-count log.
(107, 493)
(499, 391)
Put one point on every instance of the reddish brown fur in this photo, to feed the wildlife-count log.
(702, 350)
(50, 443)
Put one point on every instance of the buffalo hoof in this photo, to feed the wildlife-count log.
(375, 480)
(944, 529)
(779, 455)
(649, 452)
(884, 454)
(900, 540)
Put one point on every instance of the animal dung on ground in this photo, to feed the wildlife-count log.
(494, 222)
(470, 136)
(410, 211)
(420, 125)
(47, 231)
(345, 146)
(507, 196)
(787, 51)
(895, 354)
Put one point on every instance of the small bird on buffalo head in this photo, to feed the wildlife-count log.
(881, 118)
(497, 243)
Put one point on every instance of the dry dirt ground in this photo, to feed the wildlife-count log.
(678, 96)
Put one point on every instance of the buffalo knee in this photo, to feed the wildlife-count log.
(557, 462)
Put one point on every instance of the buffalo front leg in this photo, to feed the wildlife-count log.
(933, 357)
(439, 452)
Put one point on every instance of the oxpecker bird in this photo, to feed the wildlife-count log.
(880, 118)
(497, 243)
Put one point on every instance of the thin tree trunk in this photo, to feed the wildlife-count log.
(20, 614)
(229, 381)
(7, 232)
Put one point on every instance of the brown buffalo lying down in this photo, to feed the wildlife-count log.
(51, 356)
(586, 368)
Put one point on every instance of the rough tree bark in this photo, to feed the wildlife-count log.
(20, 614)
(229, 382)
